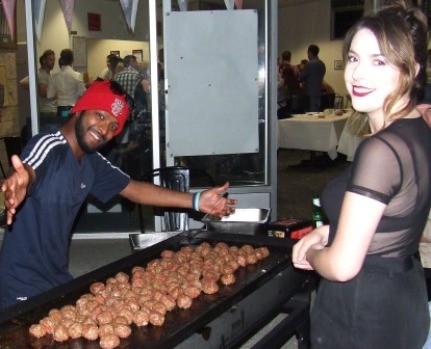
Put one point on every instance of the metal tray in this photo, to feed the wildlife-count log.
(179, 324)
(250, 221)
(141, 241)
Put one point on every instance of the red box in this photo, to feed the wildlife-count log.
(293, 228)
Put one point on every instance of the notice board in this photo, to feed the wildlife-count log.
(80, 51)
(211, 72)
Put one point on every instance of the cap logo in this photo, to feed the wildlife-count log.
(117, 107)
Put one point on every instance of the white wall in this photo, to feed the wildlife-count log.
(114, 34)
(310, 23)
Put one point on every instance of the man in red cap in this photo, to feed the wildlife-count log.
(51, 180)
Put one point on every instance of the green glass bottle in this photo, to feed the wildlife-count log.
(317, 215)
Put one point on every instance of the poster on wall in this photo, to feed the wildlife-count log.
(80, 51)
(139, 54)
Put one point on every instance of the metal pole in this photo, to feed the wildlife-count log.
(31, 49)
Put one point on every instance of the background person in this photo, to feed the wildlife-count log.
(312, 75)
(289, 86)
(372, 293)
(112, 61)
(56, 174)
(67, 85)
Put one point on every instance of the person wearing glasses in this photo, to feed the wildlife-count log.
(53, 177)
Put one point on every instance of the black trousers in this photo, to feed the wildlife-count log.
(384, 307)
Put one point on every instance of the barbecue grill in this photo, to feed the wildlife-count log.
(223, 320)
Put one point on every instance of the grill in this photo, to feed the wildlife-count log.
(223, 320)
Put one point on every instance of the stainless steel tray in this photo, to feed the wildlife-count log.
(141, 241)
(249, 221)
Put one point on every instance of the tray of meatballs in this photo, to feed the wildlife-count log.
(153, 298)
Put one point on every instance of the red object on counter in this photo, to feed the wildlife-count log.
(299, 234)
(293, 228)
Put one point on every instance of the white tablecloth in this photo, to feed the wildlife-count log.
(310, 132)
(348, 143)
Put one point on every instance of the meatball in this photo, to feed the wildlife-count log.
(251, 258)
(56, 315)
(210, 287)
(49, 324)
(128, 314)
(227, 279)
(169, 302)
(37, 330)
(68, 312)
(106, 329)
(122, 331)
(97, 287)
(247, 248)
(156, 318)
(159, 307)
(122, 277)
(167, 254)
(109, 341)
(75, 330)
(264, 251)
(90, 331)
(120, 320)
(60, 334)
(141, 318)
(184, 302)
(105, 317)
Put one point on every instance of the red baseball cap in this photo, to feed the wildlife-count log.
(100, 96)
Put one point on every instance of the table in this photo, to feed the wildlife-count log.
(312, 132)
(348, 143)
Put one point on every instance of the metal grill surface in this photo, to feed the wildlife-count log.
(179, 324)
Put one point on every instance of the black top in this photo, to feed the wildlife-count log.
(394, 167)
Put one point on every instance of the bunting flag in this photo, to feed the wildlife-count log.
(130, 8)
(39, 13)
(183, 5)
(229, 4)
(68, 7)
(9, 12)
(238, 4)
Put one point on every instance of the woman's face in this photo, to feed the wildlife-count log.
(369, 78)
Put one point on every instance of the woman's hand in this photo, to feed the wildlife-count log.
(15, 188)
(214, 202)
(315, 240)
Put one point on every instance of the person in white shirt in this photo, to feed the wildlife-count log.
(47, 107)
(67, 86)
(112, 61)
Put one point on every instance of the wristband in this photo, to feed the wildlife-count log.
(195, 202)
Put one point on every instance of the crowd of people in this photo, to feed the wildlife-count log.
(301, 87)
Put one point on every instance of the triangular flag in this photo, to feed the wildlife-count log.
(229, 4)
(183, 5)
(68, 7)
(238, 4)
(130, 8)
(39, 11)
(9, 12)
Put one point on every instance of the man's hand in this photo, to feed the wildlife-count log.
(15, 188)
(214, 202)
